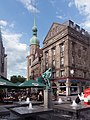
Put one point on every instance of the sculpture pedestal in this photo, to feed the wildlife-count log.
(48, 98)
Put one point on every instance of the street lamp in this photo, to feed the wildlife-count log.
(72, 72)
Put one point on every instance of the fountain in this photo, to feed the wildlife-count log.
(30, 106)
(27, 100)
(19, 99)
(60, 100)
(74, 104)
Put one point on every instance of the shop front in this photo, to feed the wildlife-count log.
(69, 87)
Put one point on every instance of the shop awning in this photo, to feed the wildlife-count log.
(31, 83)
(71, 80)
(74, 81)
(62, 81)
(5, 83)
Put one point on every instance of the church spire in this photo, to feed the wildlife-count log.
(34, 29)
(34, 40)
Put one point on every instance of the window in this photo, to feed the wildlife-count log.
(79, 53)
(53, 51)
(62, 61)
(30, 62)
(53, 74)
(46, 55)
(62, 72)
(62, 47)
(62, 53)
(46, 67)
(53, 63)
(73, 60)
(46, 60)
(84, 74)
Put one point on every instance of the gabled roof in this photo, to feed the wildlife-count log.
(54, 29)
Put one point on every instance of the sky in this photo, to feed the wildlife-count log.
(16, 22)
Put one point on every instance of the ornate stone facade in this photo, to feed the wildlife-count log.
(66, 47)
(75, 54)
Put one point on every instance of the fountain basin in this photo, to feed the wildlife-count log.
(74, 104)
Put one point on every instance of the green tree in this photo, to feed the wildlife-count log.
(18, 78)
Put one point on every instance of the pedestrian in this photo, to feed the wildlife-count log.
(77, 100)
(40, 96)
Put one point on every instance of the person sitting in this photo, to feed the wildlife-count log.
(40, 96)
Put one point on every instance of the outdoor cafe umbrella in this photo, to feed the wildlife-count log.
(5, 83)
(31, 83)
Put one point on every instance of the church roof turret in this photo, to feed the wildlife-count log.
(34, 39)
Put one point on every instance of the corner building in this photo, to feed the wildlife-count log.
(66, 49)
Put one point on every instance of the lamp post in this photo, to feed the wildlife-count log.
(67, 87)
(72, 72)
(68, 83)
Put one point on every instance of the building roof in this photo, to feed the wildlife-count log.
(34, 40)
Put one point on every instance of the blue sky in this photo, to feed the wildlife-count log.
(16, 21)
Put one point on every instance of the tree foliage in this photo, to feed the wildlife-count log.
(18, 78)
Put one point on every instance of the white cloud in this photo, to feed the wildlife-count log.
(30, 5)
(83, 7)
(59, 16)
(53, 2)
(12, 25)
(70, 4)
(16, 52)
(3, 23)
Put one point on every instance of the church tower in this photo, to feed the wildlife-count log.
(34, 44)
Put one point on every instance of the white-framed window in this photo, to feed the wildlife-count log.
(62, 73)
(53, 63)
(46, 55)
(62, 47)
(53, 51)
(62, 61)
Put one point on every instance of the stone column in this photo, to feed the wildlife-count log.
(50, 105)
(48, 98)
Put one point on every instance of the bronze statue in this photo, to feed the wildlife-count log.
(47, 76)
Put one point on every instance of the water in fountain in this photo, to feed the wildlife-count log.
(30, 106)
(60, 100)
(74, 103)
(27, 100)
